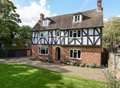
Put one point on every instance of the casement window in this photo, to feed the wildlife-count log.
(57, 33)
(77, 18)
(74, 33)
(74, 53)
(43, 50)
(45, 23)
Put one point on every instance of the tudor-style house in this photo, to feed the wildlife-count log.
(76, 36)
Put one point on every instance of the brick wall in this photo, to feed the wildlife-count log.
(89, 55)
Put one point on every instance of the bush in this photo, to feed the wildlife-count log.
(3, 53)
(82, 65)
(93, 65)
(77, 63)
(67, 62)
(112, 81)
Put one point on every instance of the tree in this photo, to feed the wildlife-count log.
(9, 21)
(23, 37)
(111, 33)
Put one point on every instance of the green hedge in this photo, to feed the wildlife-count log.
(3, 53)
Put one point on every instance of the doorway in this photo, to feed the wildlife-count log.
(58, 54)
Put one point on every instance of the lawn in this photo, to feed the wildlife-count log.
(23, 76)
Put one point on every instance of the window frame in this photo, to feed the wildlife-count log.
(77, 18)
(73, 56)
(76, 32)
(46, 49)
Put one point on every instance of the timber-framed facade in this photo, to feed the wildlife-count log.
(76, 36)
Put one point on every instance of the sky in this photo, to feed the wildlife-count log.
(29, 10)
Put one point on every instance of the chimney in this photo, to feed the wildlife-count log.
(99, 7)
(42, 16)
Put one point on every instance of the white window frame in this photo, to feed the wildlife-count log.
(77, 18)
(73, 54)
(45, 23)
(45, 48)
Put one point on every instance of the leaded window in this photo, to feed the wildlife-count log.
(76, 54)
(43, 50)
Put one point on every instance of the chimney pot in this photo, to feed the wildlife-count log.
(99, 6)
(42, 16)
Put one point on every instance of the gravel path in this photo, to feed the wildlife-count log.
(89, 73)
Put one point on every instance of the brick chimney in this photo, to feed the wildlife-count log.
(99, 7)
(42, 16)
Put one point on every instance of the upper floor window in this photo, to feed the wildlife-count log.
(45, 23)
(57, 33)
(75, 33)
(77, 18)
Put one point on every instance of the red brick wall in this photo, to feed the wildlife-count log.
(36, 54)
(89, 55)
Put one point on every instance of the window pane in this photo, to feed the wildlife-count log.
(78, 18)
(46, 50)
(79, 53)
(75, 34)
(42, 35)
(42, 51)
(75, 18)
(78, 33)
(70, 33)
(71, 53)
(75, 53)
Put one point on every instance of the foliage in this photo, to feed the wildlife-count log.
(9, 20)
(112, 81)
(111, 33)
(22, 76)
(23, 37)
(11, 34)
(67, 62)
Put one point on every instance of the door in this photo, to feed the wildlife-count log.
(58, 54)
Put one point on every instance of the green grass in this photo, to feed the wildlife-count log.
(23, 76)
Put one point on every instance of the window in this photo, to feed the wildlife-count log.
(42, 34)
(46, 23)
(79, 33)
(74, 33)
(43, 50)
(57, 33)
(75, 53)
(77, 18)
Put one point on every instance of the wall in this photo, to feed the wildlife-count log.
(89, 55)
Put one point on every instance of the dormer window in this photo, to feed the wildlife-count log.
(77, 18)
(46, 23)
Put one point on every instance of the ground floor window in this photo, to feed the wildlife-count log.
(74, 53)
(43, 50)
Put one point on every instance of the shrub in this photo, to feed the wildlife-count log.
(82, 65)
(77, 63)
(112, 81)
(67, 62)
(93, 65)
(3, 53)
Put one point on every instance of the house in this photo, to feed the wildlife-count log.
(76, 36)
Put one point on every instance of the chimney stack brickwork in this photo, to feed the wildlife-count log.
(99, 7)
(42, 16)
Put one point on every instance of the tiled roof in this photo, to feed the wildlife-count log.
(90, 19)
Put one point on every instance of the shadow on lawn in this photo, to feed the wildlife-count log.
(22, 76)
